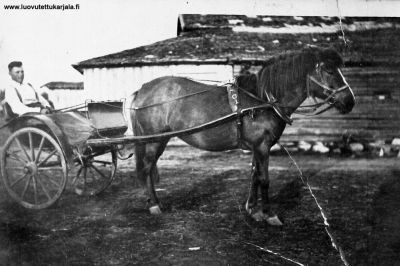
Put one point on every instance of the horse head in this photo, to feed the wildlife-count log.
(327, 82)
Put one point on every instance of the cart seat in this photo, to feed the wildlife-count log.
(108, 118)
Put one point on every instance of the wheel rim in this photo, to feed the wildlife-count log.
(95, 172)
(33, 168)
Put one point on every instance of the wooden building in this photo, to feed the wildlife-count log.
(64, 94)
(218, 47)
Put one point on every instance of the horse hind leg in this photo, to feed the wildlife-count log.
(140, 151)
(146, 166)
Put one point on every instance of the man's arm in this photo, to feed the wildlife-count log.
(43, 101)
(40, 98)
(16, 105)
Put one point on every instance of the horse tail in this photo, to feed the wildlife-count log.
(136, 127)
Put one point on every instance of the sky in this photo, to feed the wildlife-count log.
(49, 41)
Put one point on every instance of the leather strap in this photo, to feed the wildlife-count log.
(234, 103)
(36, 104)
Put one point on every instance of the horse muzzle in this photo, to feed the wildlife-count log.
(344, 101)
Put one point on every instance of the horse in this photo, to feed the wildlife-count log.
(173, 103)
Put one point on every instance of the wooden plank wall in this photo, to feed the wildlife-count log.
(376, 114)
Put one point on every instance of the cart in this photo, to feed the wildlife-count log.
(38, 156)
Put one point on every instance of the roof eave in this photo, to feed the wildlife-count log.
(78, 68)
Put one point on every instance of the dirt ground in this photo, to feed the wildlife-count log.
(204, 223)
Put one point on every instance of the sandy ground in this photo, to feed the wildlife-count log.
(204, 223)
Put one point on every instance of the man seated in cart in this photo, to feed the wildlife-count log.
(20, 97)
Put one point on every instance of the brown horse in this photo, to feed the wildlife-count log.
(174, 103)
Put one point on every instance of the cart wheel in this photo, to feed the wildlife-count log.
(95, 173)
(33, 168)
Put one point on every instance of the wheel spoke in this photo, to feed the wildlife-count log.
(31, 146)
(22, 148)
(98, 171)
(34, 188)
(43, 187)
(94, 176)
(40, 149)
(84, 176)
(93, 155)
(14, 167)
(77, 175)
(52, 181)
(47, 158)
(26, 187)
(102, 162)
(52, 164)
(59, 168)
(17, 158)
(18, 180)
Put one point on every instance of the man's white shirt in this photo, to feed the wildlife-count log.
(28, 96)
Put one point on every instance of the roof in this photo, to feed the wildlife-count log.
(62, 85)
(192, 22)
(229, 39)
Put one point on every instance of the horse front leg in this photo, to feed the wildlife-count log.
(267, 214)
(252, 199)
(261, 181)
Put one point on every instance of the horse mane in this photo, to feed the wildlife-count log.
(248, 82)
(284, 72)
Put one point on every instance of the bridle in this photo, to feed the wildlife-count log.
(330, 93)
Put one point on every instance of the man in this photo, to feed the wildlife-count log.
(22, 97)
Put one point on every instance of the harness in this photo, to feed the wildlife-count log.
(234, 103)
(238, 111)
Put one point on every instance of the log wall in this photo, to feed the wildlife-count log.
(376, 114)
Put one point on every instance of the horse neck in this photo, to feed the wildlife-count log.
(286, 80)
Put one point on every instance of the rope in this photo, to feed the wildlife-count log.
(340, 22)
(333, 240)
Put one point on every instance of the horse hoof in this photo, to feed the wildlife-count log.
(274, 221)
(258, 216)
(155, 210)
(78, 191)
(248, 209)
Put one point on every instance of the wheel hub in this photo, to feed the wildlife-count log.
(31, 168)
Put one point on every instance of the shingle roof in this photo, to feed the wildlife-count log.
(190, 22)
(222, 39)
